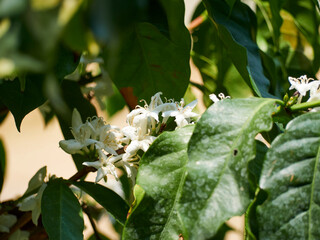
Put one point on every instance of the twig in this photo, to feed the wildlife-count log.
(94, 227)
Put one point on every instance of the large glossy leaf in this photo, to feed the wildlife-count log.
(235, 30)
(61, 212)
(153, 55)
(291, 176)
(2, 163)
(161, 175)
(222, 144)
(107, 198)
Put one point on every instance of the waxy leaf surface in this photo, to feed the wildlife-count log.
(291, 177)
(223, 142)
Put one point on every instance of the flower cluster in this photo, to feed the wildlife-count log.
(122, 148)
(303, 85)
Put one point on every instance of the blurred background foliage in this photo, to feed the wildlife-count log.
(116, 52)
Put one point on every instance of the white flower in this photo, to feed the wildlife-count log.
(33, 203)
(182, 114)
(6, 222)
(81, 132)
(130, 165)
(215, 99)
(105, 165)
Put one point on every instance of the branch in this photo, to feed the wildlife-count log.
(197, 21)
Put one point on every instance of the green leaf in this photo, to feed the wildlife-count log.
(161, 175)
(36, 181)
(235, 30)
(306, 18)
(61, 212)
(19, 102)
(276, 19)
(209, 55)
(222, 144)
(291, 175)
(12, 7)
(317, 3)
(154, 54)
(2, 164)
(107, 198)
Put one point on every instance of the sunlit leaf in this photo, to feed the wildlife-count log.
(36, 181)
(161, 176)
(291, 176)
(12, 7)
(222, 144)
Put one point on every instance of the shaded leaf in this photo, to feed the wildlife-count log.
(19, 102)
(107, 198)
(276, 19)
(235, 31)
(12, 7)
(291, 176)
(2, 163)
(36, 181)
(222, 144)
(160, 179)
(61, 212)
(153, 55)
(209, 55)
(115, 102)
(255, 165)
(3, 112)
